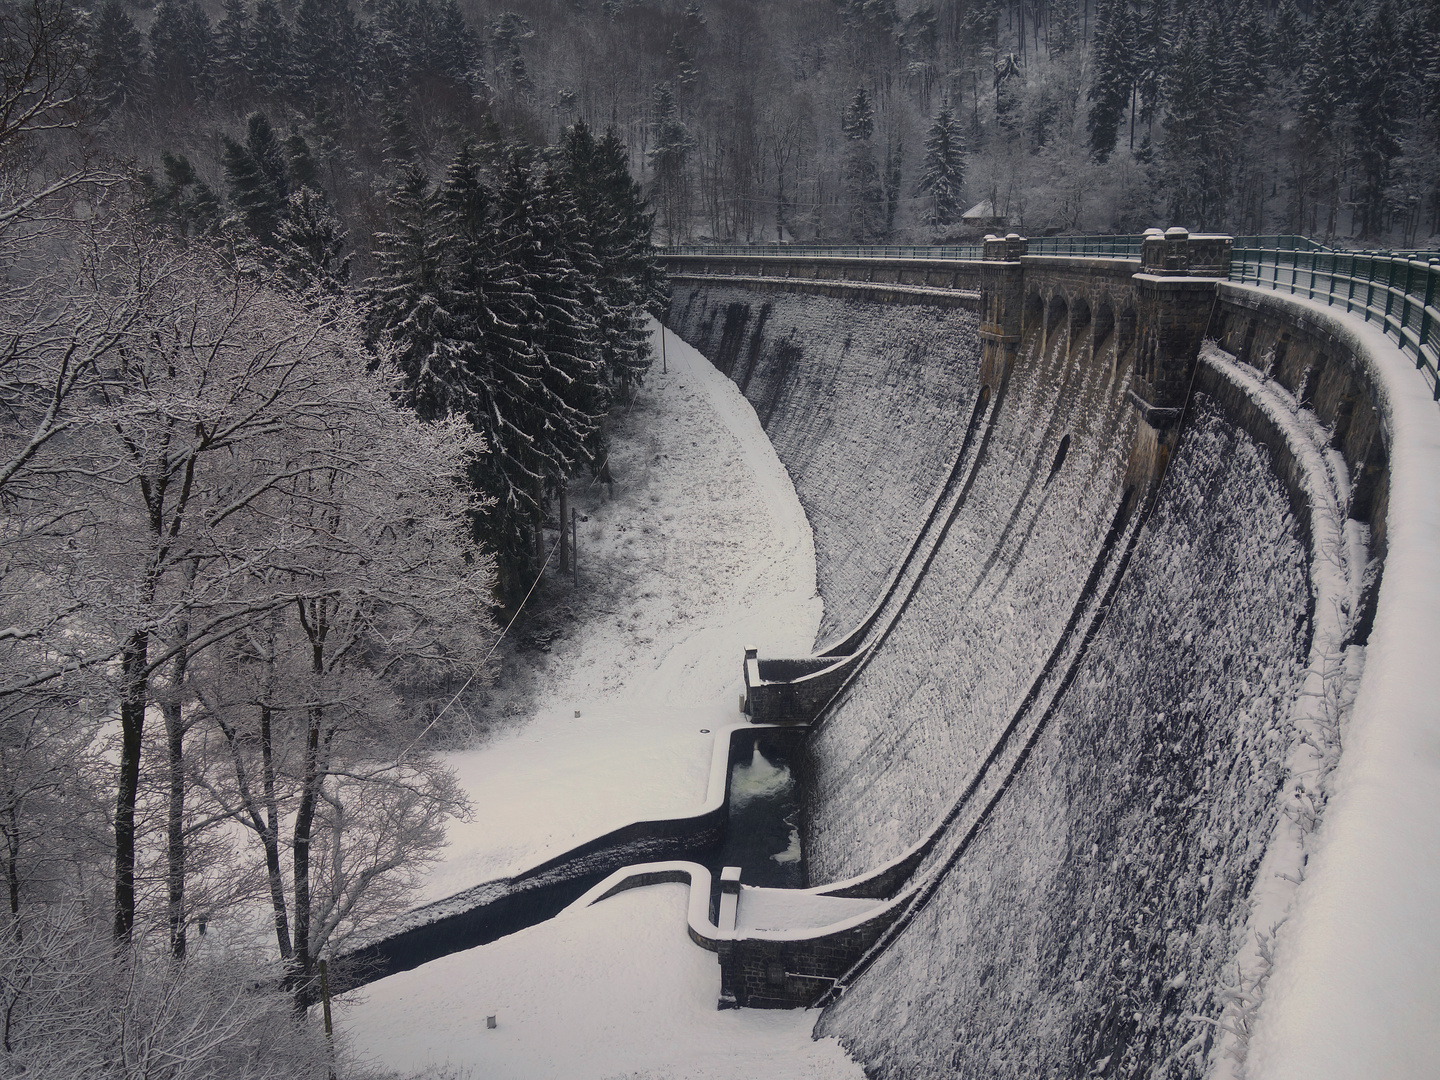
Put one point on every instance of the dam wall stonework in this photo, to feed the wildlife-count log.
(1088, 742)
(867, 405)
(1091, 917)
(901, 741)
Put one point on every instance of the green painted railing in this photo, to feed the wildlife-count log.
(1397, 292)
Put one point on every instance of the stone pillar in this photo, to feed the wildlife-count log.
(1002, 285)
(725, 921)
(1174, 308)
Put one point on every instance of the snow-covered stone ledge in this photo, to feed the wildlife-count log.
(1356, 961)
(786, 947)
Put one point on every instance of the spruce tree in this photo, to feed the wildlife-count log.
(117, 61)
(181, 201)
(232, 42)
(670, 147)
(615, 226)
(267, 49)
(862, 173)
(256, 173)
(1114, 59)
(181, 47)
(943, 172)
(309, 240)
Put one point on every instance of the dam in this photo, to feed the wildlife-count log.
(1120, 673)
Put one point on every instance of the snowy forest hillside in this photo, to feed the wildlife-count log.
(835, 120)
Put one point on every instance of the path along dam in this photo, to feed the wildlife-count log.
(1119, 750)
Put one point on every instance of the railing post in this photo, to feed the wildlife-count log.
(1430, 274)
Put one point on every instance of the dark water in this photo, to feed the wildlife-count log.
(763, 837)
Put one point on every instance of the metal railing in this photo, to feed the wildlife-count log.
(1399, 293)
(1119, 246)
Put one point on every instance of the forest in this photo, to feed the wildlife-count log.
(309, 312)
(835, 121)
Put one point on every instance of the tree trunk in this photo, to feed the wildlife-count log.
(175, 817)
(175, 825)
(270, 836)
(132, 724)
(12, 866)
(564, 530)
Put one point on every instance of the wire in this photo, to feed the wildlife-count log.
(481, 667)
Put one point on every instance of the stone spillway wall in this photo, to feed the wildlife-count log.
(866, 403)
(1094, 914)
(1089, 745)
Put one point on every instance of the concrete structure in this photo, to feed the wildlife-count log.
(1113, 860)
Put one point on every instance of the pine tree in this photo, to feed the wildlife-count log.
(862, 174)
(1110, 93)
(181, 44)
(1153, 51)
(942, 174)
(1288, 38)
(326, 61)
(267, 49)
(408, 301)
(309, 241)
(117, 55)
(670, 147)
(181, 202)
(258, 178)
(1377, 94)
(232, 42)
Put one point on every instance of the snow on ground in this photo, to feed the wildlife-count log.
(617, 991)
(703, 549)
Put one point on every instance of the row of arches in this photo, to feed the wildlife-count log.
(1097, 321)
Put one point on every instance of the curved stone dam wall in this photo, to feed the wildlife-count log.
(866, 404)
(1079, 748)
(1094, 910)
(1043, 486)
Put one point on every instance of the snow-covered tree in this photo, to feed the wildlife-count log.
(862, 173)
(942, 174)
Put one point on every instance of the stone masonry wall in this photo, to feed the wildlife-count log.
(1088, 928)
(866, 404)
(904, 738)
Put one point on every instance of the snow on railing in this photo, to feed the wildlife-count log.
(1399, 292)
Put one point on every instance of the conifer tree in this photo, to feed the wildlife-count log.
(258, 179)
(1110, 93)
(181, 44)
(615, 226)
(232, 41)
(943, 172)
(862, 173)
(117, 55)
(181, 201)
(309, 240)
(670, 147)
(267, 49)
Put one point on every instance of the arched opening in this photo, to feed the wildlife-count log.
(1034, 312)
(1054, 316)
(1103, 328)
(1079, 321)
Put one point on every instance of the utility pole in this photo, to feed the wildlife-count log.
(664, 365)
